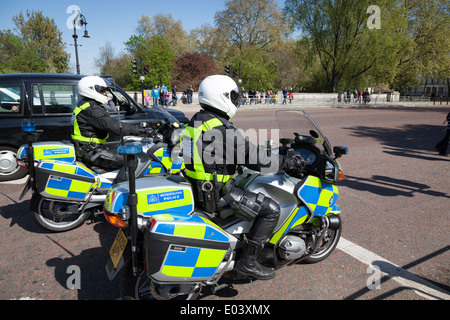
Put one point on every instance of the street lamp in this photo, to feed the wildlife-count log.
(81, 21)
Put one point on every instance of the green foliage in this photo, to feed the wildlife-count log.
(257, 69)
(347, 48)
(336, 46)
(16, 56)
(41, 33)
(154, 52)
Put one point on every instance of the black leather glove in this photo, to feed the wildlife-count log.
(146, 132)
(299, 162)
(293, 161)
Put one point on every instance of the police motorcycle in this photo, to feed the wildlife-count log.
(66, 192)
(178, 249)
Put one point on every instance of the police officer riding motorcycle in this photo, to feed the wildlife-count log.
(212, 162)
(91, 125)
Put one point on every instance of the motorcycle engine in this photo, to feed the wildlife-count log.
(292, 248)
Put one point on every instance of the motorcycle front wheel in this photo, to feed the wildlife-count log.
(326, 246)
(50, 215)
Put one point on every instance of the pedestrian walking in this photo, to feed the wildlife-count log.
(442, 146)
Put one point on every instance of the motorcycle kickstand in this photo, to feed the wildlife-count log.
(216, 287)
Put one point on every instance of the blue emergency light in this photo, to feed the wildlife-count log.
(130, 148)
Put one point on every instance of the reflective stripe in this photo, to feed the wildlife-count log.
(207, 176)
(76, 129)
(199, 170)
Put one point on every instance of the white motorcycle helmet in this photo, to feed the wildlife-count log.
(93, 87)
(219, 94)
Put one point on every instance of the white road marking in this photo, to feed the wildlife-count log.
(420, 286)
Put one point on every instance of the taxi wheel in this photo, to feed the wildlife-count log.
(9, 170)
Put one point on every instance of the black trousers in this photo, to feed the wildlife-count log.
(443, 144)
(99, 156)
(256, 207)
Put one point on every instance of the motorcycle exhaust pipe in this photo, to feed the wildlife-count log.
(334, 221)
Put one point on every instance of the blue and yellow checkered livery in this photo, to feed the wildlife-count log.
(166, 164)
(185, 246)
(188, 226)
(319, 196)
(68, 181)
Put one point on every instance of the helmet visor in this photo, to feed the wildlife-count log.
(235, 98)
(100, 89)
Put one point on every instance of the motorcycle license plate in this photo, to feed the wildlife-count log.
(118, 247)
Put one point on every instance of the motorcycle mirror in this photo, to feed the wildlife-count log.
(313, 134)
(339, 151)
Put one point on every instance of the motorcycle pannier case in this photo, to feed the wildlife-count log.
(178, 245)
(64, 180)
(184, 248)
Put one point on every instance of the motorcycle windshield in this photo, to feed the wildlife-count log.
(297, 124)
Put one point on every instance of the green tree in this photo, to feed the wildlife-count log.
(211, 41)
(15, 56)
(165, 26)
(252, 23)
(118, 66)
(429, 28)
(258, 70)
(347, 48)
(41, 32)
(154, 52)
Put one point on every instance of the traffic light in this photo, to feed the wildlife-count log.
(146, 71)
(228, 70)
(134, 66)
(234, 73)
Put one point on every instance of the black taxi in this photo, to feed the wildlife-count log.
(48, 100)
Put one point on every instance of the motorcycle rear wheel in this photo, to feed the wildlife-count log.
(326, 247)
(40, 211)
(141, 287)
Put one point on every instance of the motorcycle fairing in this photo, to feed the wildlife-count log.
(63, 180)
(181, 247)
(49, 151)
(319, 196)
(188, 226)
(156, 195)
(298, 216)
(166, 163)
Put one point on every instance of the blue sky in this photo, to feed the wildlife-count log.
(109, 21)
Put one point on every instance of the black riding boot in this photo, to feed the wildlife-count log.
(248, 266)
